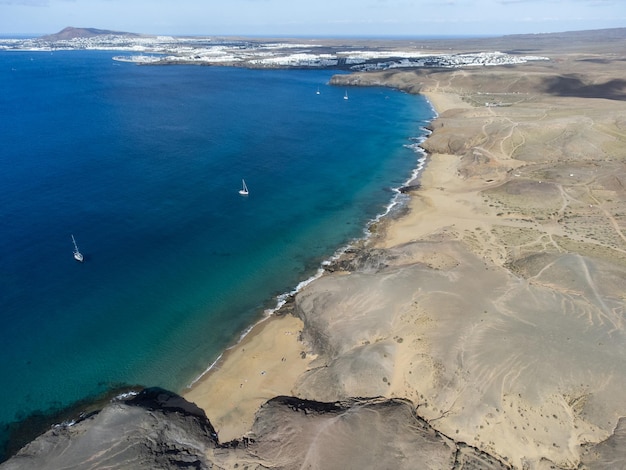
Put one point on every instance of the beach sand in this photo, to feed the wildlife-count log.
(265, 364)
(496, 303)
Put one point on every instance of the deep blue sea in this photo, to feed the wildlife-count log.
(142, 164)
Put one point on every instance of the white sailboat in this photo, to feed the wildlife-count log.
(318, 91)
(345, 97)
(244, 189)
(78, 256)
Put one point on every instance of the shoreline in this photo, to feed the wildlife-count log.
(458, 302)
(218, 381)
(514, 212)
(489, 308)
(249, 373)
(394, 204)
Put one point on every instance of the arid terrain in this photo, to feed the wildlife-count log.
(496, 305)
(485, 326)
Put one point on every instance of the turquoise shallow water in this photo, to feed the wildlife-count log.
(143, 166)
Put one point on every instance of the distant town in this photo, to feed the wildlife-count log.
(164, 50)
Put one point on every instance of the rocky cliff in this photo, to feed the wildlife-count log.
(158, 429)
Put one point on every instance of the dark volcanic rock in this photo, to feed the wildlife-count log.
(363, 260)
(160, 430)
(155, 429)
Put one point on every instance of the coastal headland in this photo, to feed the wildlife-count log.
(496, 305)
(484, 326)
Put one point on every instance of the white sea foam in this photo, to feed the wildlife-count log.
(65, 424)
(125, 396)
(208, 369)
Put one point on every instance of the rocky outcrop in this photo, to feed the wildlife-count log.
(158, 429)
(364, 433)
(155, 429)
(610, 453)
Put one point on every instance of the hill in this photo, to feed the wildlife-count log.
(72, 33)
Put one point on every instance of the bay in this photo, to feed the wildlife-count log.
(143, 165)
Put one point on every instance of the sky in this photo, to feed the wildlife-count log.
(365, 18)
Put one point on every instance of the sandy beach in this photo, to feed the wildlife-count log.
(265, 364)
(496, 303)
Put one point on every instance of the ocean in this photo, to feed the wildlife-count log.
(142, 164)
